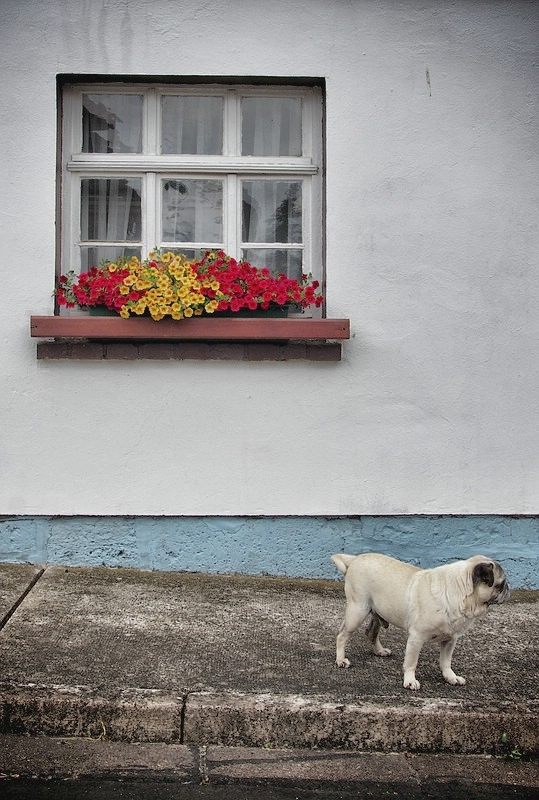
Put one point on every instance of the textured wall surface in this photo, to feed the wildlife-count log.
(432, 243)
(291, 546)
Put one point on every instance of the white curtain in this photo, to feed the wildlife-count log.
(192, 211)
(271, 126)
(271, 211)
(111, 209)
(192, 125)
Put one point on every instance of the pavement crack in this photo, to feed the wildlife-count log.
(9, 613)
(183, 711)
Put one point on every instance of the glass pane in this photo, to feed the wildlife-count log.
(110, 209)
(188, 252)
(192, 210)
(271, 126)
(112, 123)
(287, 261)
(192, 125)
(93, 256)
(271, 211)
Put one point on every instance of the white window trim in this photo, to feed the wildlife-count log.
(151, 166)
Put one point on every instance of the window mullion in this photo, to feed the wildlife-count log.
(231, 124)
(151, 233)
(231, 148)
(151, 123)
(232, 210)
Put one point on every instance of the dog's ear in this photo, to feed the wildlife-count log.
(484, 572)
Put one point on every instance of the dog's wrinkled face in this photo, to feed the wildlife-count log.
(490, 582)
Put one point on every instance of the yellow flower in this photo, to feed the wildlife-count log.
(188, 312)
(124, 289)
(130, 280)
(113, 267)
(124, 312)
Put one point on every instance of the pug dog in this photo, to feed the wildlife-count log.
(429, 604)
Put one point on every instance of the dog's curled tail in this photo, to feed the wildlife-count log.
(342, 561)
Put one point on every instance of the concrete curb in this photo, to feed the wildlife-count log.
(254, 720)
(298, 722)
(130, 715)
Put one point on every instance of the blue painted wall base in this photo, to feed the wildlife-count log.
(290, 546)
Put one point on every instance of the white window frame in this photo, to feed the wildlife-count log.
(231, 167)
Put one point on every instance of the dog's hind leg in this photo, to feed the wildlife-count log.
(353, 618)
(372, 633)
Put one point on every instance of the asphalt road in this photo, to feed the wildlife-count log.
(159, 790)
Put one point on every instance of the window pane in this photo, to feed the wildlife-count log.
(112, 123)
(93, 256)
(287, 261)
(192, 125)
(271, 211)
(188, 252)
(271, 126)
(111, 209)
(192, 211)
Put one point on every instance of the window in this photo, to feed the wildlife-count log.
(192, 167)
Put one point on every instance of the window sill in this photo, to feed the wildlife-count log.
(243, 339)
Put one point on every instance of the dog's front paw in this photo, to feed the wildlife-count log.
(342, 662)
(412, 683)
(454, 680)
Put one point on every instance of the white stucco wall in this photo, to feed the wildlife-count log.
(432, 252)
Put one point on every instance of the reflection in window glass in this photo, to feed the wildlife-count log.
(192, 125)
(112, 123)
(271, 211)
(192, 210)
(271, 126)
(93, 256)
(288, 262)
(188, 252)
(111, 209)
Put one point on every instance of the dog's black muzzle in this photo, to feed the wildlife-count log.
(503, 596)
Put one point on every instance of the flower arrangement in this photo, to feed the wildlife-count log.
(168, 284)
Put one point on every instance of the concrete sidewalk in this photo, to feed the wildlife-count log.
(199, 660)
